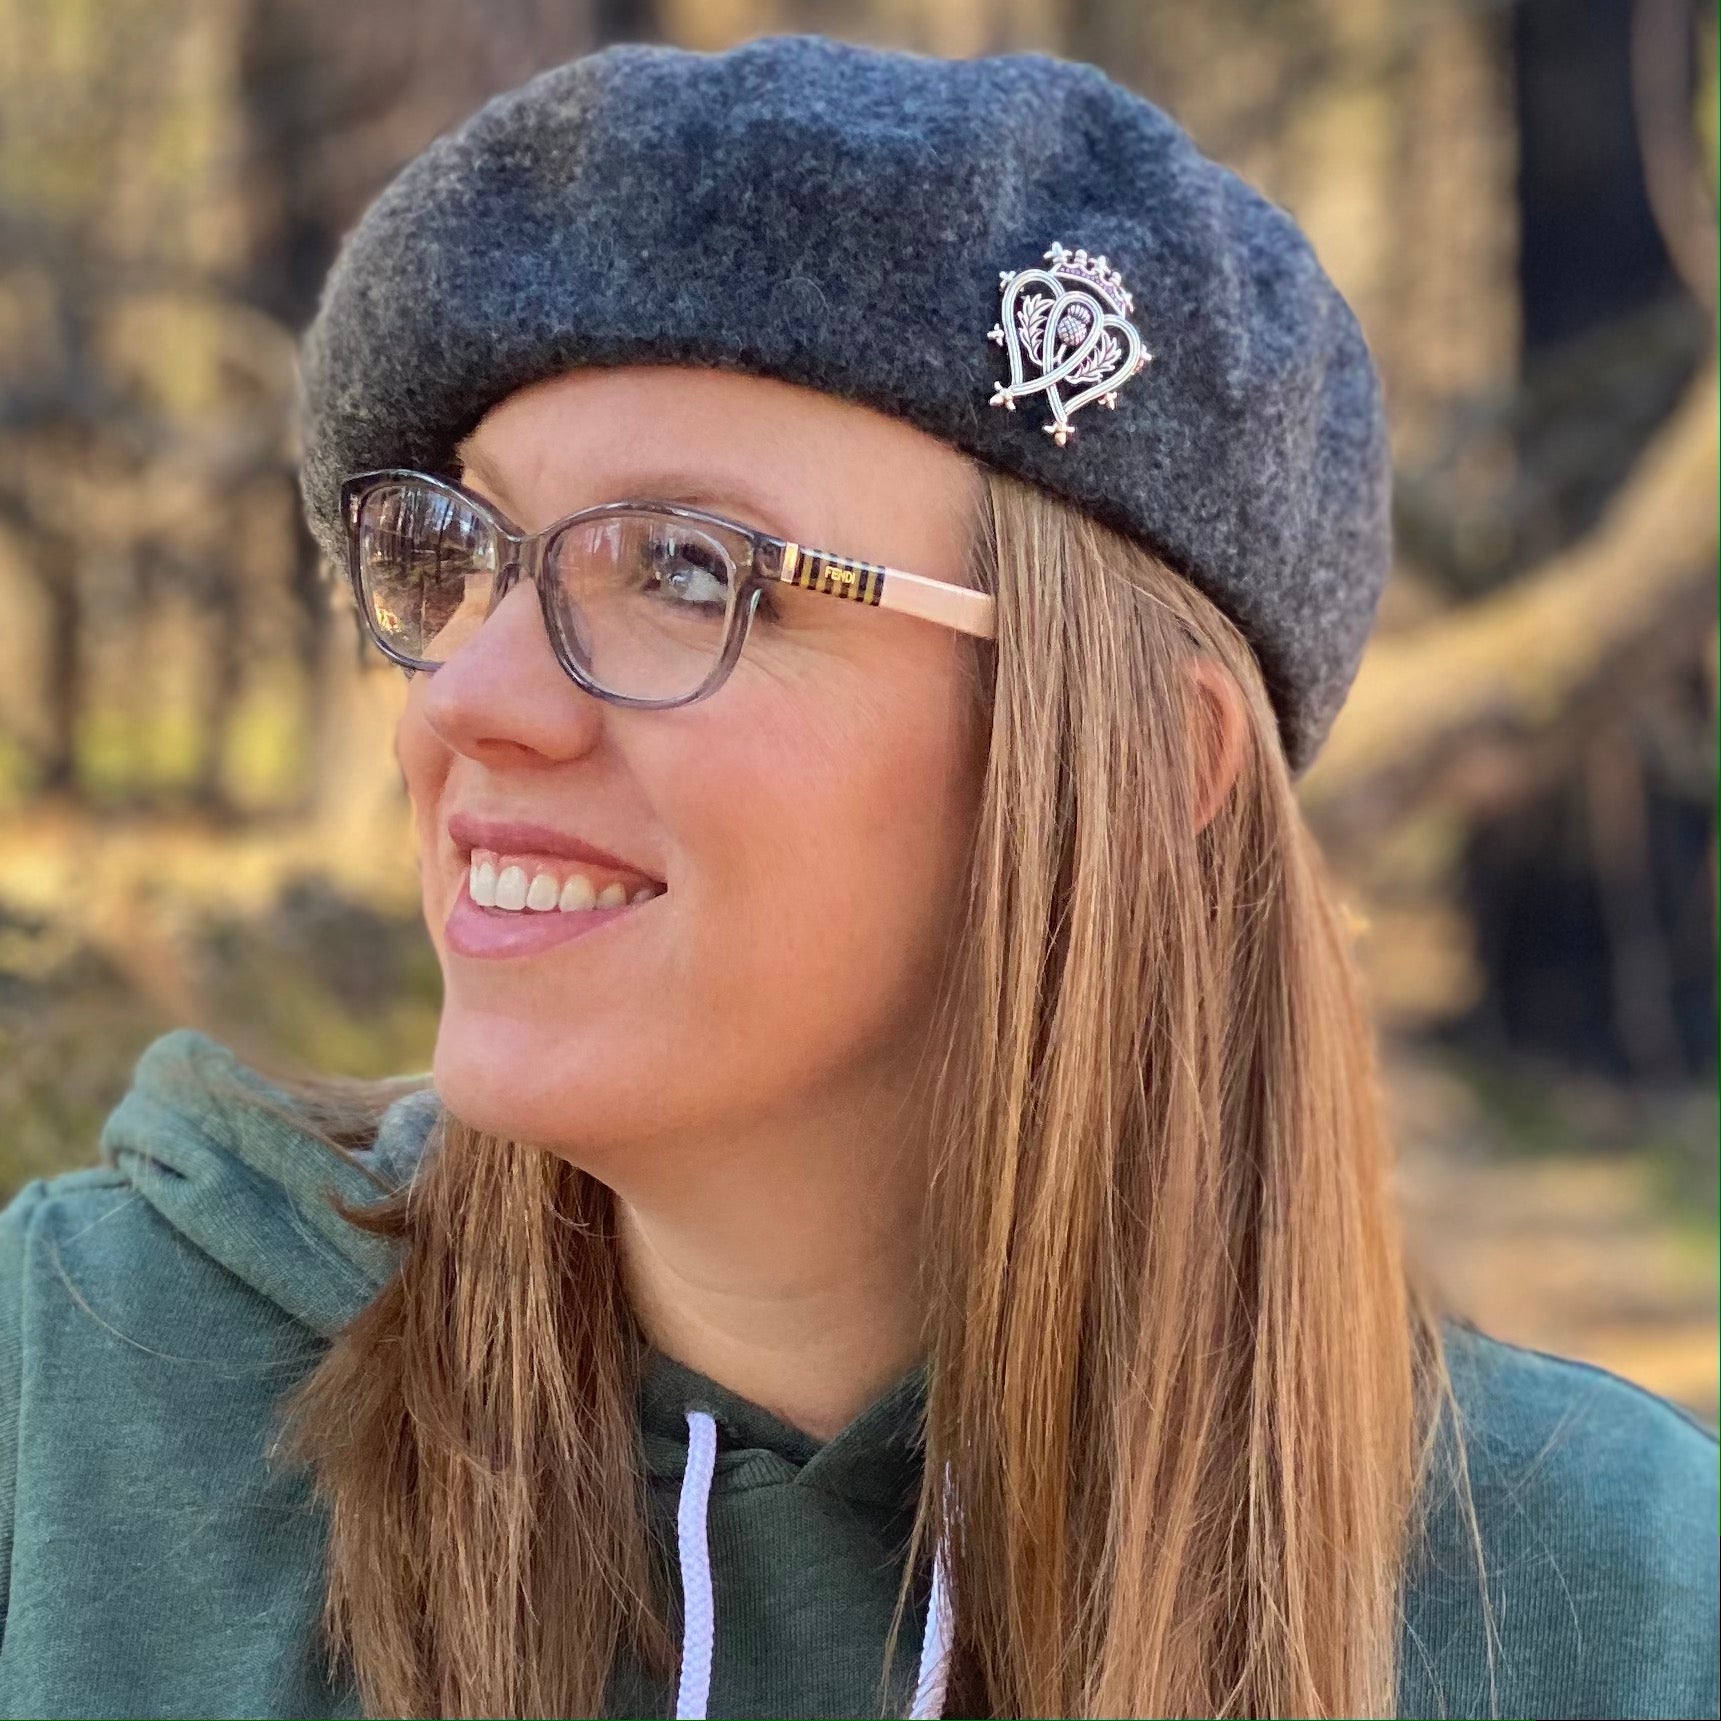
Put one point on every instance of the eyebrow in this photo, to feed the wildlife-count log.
(473, 466)
(686, 488)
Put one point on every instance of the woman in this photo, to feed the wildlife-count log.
(897, 1220)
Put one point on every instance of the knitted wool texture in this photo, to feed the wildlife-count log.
(839, 216)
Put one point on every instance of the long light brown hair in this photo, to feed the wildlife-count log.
(1179, 1382)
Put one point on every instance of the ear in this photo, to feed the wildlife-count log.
(1221, 725)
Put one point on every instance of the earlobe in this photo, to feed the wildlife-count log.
(1221, 729)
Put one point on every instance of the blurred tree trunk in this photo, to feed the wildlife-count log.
(55, 562)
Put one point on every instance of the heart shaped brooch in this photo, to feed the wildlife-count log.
(1070, 323)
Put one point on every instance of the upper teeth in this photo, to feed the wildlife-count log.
(511, 889)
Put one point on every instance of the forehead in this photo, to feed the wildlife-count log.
(806, 464)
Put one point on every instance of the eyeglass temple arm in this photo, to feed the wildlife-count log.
(958, 607)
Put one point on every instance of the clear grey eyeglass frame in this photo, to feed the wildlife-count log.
(775, 561)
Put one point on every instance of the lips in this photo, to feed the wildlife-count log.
(524, 837)
(472, 930)
(532, 857)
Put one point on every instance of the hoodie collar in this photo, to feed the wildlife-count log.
(875, 1459)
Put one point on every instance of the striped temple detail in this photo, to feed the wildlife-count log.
(840, 576)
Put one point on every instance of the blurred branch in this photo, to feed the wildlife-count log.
(1510, 665)
(1560, 439)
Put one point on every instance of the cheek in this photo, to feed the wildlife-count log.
(424, 757)
(824, 844)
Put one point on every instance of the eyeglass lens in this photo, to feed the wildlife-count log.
(641, 600)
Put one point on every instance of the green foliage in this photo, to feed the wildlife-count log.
(70, 1031)
(1669, 1139)
(334, 985)
(319, 981)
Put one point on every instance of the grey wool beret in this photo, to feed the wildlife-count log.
(1013, 252)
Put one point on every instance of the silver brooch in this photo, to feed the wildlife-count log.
(1074, 332)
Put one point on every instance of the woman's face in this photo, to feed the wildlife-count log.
(803, 830)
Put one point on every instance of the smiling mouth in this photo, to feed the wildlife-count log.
(544, 884)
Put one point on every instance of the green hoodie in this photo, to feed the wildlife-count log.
(153, 1308)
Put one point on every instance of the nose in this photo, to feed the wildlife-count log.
(503, 695)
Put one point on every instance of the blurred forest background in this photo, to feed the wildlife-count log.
(200, 819)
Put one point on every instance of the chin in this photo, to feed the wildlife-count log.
(597, 1092)
(507, 1077)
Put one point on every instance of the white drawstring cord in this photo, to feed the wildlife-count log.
(935, 1646)
(698, 1610)
(698, 1614)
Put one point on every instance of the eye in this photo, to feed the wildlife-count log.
(687, 568)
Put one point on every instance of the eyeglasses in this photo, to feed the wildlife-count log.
(645, 603)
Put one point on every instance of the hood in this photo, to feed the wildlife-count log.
(196, 1136)
(211, 1144)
